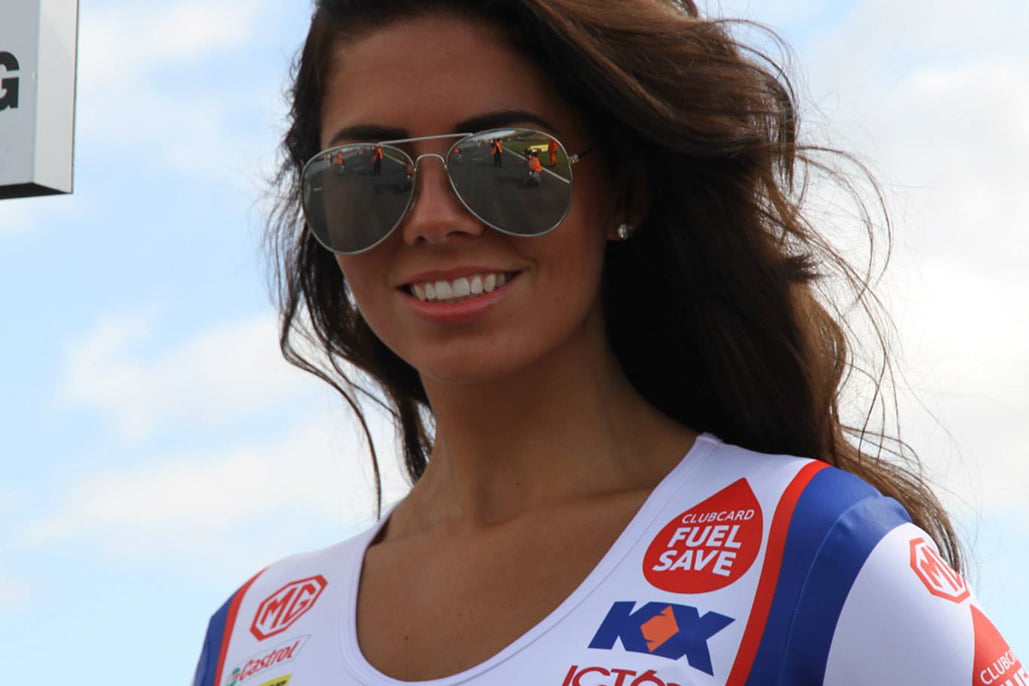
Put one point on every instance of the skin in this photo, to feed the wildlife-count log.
(544, 451)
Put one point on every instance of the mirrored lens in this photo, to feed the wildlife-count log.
(355, 195)
(517, 181)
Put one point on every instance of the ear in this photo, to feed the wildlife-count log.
(634, 200)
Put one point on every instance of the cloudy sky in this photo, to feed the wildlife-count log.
(156, 451)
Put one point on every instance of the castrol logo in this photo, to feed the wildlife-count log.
(281, 609)
(709, 546)
(935, 573)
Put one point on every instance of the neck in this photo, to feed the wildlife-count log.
(571, 426)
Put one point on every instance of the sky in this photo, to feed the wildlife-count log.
(157, 451)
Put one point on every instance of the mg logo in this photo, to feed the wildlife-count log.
(281, 609)
(8, 86)
(935, 573)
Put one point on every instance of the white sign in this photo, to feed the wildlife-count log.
(38, 46)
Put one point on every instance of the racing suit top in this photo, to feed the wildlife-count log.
(740, 568)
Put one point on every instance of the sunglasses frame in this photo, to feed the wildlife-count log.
(415, 161)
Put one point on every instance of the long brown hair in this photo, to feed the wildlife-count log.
(744, 344)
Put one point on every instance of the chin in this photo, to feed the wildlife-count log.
(467, 371)
(457, 365)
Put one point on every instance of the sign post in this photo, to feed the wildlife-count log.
(38, 51)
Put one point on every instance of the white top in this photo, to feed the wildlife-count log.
(740, 568)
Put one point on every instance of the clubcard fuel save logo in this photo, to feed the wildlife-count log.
(709, 546)
(994, 664)
(662, 629)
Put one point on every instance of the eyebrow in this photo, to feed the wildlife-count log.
(493, 120)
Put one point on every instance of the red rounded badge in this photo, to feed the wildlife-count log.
(708, 546)
(994, 663)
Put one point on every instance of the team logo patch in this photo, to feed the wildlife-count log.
(281, 609)
(708, 546)
(602, 676)
(662, 629)
(994, 663)
(935, 573)
(268, 658)
(278, 681)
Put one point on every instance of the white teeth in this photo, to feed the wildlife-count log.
(444, 291)
(461, 288)
(458, 289)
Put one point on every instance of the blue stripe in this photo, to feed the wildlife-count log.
(837, 522)
(208, 664)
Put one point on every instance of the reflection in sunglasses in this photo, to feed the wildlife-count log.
(499, 176)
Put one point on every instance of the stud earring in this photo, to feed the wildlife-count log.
(624, 231)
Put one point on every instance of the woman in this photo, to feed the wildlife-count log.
(617, 396)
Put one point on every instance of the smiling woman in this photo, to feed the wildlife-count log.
(616, 387)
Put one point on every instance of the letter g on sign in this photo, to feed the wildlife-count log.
(8, 86)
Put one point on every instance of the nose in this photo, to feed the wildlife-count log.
(436, 215)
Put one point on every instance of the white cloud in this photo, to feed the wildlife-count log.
(223, 374)
(22, 216)
(148, 88)
(15, 593)
(16, 216)
(121, 43)
(205, 505)
(925, 92)
(251, 500)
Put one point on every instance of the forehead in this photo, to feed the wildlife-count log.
(426, 74)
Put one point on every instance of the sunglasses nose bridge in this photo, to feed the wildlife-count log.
(416, 169)
(419, 158)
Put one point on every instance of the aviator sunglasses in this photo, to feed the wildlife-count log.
(517, 181)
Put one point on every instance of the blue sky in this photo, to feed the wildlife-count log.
(156, 451)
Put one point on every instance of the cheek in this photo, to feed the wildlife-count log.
(357, 272)
(576, 258)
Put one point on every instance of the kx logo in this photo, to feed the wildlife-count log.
(9, 86)
(662, 629)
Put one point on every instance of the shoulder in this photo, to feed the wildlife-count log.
(821, 507)
(861, 595)
(908, 617)
(277, 609)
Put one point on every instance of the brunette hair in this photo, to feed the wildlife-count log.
(745, 346)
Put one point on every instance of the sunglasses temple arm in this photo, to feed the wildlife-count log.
(575, 158)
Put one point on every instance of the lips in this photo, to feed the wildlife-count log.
(460, 288)
(453, 300)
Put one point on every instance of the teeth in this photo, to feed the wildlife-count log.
(458, 289)
(461, 288)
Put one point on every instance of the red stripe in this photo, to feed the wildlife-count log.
(770, 573)
(230, 623)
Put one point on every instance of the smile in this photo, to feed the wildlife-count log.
(459, 289)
